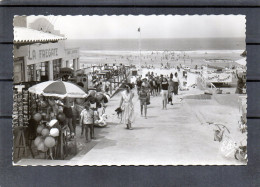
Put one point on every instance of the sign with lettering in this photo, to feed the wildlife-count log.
(72, 53)
(19, 87)
(219, 77)
(45, 52)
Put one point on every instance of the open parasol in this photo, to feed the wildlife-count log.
(59, 89)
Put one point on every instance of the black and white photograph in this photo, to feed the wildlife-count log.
(127, 90)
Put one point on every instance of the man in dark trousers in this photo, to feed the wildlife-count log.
(138, 84)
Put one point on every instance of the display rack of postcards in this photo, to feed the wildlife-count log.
(20, 108)
(33, 107)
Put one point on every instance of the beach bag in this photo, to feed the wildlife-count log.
(118, 110)
(148, 101)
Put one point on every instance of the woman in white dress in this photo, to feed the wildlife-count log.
(127, 106)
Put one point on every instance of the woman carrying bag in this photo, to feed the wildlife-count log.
(127, 106)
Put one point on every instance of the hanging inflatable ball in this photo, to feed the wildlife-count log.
(60, 110)
(106, 98)
(42, 147)
(52, 122)
(61, 117)
(37, 117)
(45, 132)
(44, 104)
(49, 142)
(39, 129)
(54, 132)
(38, 140)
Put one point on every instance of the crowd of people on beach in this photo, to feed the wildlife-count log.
(149, 59)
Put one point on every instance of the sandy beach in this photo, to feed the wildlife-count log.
(222, 58)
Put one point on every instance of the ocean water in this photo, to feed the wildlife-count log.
(179, 44)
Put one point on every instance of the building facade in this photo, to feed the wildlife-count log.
(39, 54)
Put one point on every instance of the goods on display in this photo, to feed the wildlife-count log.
(20, 108)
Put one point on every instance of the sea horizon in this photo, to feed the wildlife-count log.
(158, 44)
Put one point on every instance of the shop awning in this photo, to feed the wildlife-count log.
(27, 35)
(65, 71)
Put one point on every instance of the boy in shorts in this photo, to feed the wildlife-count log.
(87, 121)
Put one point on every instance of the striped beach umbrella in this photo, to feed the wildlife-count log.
(59, 89)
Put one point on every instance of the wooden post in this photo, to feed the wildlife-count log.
(61, 145)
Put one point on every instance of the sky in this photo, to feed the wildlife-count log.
(125, 27)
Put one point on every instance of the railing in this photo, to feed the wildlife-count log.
(212, 86)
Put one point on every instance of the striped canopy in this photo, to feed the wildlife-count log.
(59, 89)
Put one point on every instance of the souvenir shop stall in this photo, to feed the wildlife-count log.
(39, 121)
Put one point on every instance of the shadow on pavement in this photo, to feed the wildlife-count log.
(152, 116)
(106, 143)
(142, 128)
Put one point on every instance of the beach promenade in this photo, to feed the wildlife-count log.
(168, 137)
(176, 136)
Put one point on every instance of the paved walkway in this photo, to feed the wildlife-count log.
(168, 137)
